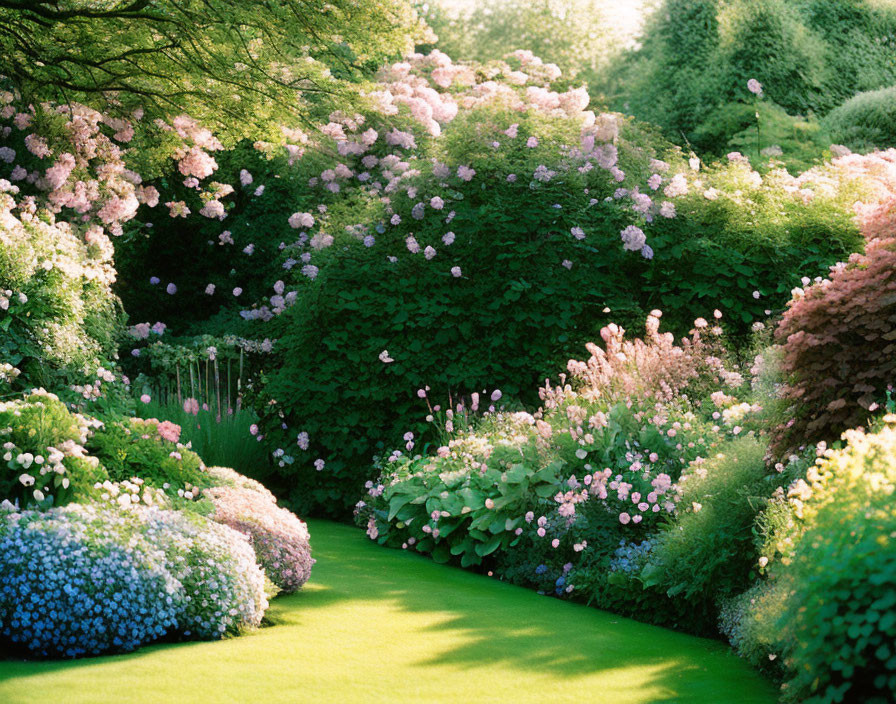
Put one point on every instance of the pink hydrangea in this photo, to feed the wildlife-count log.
(169, 431)
(301, 220)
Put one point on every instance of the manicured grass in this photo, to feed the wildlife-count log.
(377, 625)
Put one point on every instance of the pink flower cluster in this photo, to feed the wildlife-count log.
(280, 539)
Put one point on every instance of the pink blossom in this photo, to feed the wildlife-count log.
(633, 238)
(169, 431)
(301, 220)
(465, 173)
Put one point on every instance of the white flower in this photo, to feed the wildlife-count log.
(385, 358)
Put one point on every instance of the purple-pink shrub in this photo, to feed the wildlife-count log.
(280, 538)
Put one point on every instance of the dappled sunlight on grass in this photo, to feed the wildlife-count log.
(378, 625)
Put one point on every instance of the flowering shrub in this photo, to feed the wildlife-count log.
(827, 612)
(461, 201)
(837, 338)
(223, 584)
(59, 315)
(279, 538)
(45, 462)
(148, 451)
(82, 580)
(599, 463)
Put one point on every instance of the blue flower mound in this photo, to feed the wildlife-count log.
(80, 580)
(216, 570)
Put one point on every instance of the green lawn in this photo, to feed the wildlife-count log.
(377, 625)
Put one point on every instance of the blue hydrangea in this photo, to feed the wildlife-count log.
(629, 557)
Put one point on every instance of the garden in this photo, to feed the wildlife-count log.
(382, 350)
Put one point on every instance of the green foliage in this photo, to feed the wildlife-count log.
(481, 509)
(696, 58)
(766, 134)
(148, 450)
(706, 552)
(223, 441)
(828, 609)
(866, 121)
(240, 68)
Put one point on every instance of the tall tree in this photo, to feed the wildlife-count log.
(238, 66)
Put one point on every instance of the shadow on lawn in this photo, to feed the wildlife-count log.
(493, 623)
(513, 626)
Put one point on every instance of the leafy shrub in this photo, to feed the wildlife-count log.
(599, 463)
(149, 450)
(706, 552)
(795, 141)
(865, 121)
(696, 57)
(82, 580)
(837, 339)
(279, 538)
(828, 610)
(448, 508)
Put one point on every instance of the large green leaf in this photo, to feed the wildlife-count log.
(488, 547)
